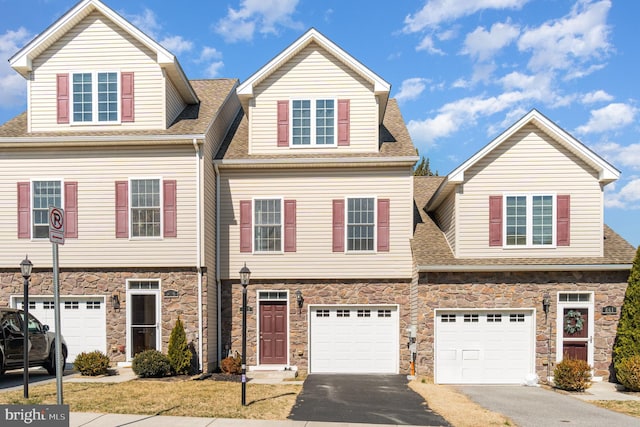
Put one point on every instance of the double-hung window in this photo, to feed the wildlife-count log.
(45, 194)
(361, 224)
(95, 97)
(145, 208)
(313, 122)
(530, 220)
(267, 229)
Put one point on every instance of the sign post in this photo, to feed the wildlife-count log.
(56, 237)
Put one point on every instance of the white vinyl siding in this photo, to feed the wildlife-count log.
(175, 103)
(314, 190)
(95, 44)
(446, 218)
(530, 163)
(96, 172)
(314, 74)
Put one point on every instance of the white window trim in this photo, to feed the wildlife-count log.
(375, 225)
(94, 99)
(130, 208)
(158, 295)
(253, 225)
(313, 123)
(31, 204)
(529, 244)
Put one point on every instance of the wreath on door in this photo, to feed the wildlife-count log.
(573, 322)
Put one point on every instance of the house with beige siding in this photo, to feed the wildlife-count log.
(516, 269)
(117, 136)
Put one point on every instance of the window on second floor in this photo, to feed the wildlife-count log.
(267, 232)
(45, 194)
(529, 220)
(313, 122)
(363, 222)
(360, 224)
(145, 208)
(94, 97)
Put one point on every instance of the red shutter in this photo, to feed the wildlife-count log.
(71, 210)
(122, 209)
(383, 225)
(289, 225)
(338, 226)
(562, 220)
(245, 226)
(283, 123)
(62, 97)
(126, 97)
(169, 208)
(24, 210)
(495, 220)
(343, 122)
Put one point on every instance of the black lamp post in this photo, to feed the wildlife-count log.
(245, 274)
(25, 268)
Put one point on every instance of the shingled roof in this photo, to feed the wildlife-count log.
(395, 141)
(433, 253)
(193, 120)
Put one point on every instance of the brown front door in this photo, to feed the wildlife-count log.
(273, 332)
(575, 338)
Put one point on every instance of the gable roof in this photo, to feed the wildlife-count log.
(606, 172)
(380, 87)
(23, 59)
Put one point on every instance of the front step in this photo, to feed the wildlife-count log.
(280, 375)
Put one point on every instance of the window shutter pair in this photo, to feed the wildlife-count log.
(344, 117)
(246, 226)
(382, 226)
(70, 210)
(169, 209)
(126, 97)
(563, 208)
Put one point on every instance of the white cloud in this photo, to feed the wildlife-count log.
(261, 15)
(569, 42)
(613, 116)
(176, 44)
(146, 22)
(435, 12)
(427, 44)
(621, 155)
(13, 86)
(209, 53)
(627, 197)
(213, 70)
(596, 96)
(483, 45)
(411, 89)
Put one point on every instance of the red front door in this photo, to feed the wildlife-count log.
(575, 334)
(273, 333)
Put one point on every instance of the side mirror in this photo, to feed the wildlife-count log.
(45, 328)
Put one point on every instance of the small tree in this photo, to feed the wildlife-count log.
(628, 336)
(179, 353)
(424, 168)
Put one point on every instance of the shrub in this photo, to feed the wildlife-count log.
(628, 373)
(151, 364)
(627, 342)
(572, 375)
(92, 364)
(179, 354)
(232, 364)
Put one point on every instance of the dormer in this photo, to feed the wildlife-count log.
(314, 98)
(92, 70)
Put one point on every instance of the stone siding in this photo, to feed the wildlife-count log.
(522, 290)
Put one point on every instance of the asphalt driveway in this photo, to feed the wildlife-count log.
(373, 399)
(536, 406)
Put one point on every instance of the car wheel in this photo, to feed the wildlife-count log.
(50, 366)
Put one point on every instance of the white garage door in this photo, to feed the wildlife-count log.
(354, 339)
(484, 346)
(82, 320)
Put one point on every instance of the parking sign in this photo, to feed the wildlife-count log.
(56, 225)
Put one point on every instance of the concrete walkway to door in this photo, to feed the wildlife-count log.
(373, 399)
(536, 406)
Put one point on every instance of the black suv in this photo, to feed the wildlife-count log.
(43, 347)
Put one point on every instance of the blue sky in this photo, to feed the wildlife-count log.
(463, 71)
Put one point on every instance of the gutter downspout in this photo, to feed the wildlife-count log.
(198, 251)
(218, 283)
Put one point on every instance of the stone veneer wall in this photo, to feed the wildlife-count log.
(522, 290)
(108, 282)
(316, 292)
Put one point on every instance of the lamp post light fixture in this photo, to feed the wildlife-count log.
(245, 274)
(546, 303)
(25, 268)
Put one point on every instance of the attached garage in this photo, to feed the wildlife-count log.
(82, 320)
(484, 346)
(354, 339)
